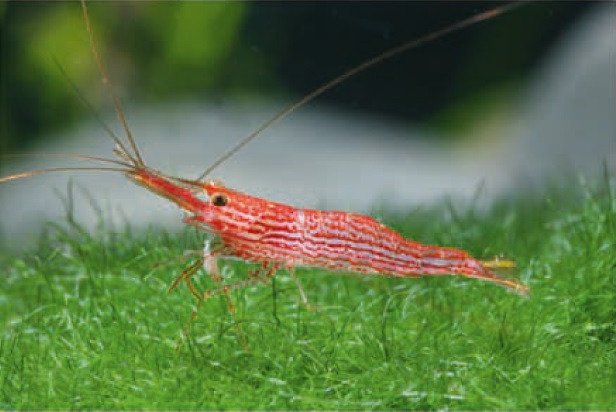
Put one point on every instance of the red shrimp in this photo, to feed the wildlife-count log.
(278, 235)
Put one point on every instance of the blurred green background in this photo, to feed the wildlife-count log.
(163, 51)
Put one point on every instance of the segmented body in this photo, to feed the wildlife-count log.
(258, 230)
(265, 231)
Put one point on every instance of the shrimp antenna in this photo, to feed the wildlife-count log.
(138, 160)
(486, 15)
(121, 147)
(35, 172)
(71, 156)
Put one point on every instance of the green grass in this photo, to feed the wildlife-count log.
(87, 324)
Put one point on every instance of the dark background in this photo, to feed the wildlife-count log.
(342, 34)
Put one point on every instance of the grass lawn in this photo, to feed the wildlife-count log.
(86, 322)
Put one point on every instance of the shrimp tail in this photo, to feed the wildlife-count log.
(485, 272)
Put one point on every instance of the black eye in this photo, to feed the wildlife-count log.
(218, 199)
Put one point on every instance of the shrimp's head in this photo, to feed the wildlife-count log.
(210, 203)
(228, 211)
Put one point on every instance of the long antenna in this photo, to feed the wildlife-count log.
(486, 15)
(107, 84)
(58, 169)
(92, 111)
(69, 156)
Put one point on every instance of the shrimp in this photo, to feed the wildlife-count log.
(279, 236)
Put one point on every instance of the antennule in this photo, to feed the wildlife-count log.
(107, 84)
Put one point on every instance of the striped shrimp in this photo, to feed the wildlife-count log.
(282, 236)
(279, 236)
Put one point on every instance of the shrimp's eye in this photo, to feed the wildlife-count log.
(218, 199)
